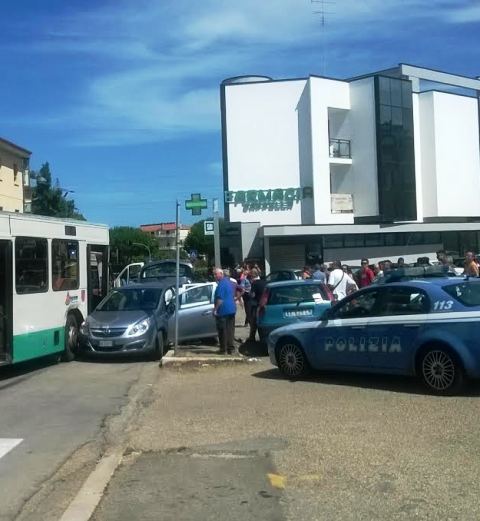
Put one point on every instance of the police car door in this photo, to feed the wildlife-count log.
(393, 334)
(343, 340)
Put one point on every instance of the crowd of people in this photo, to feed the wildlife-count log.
(245, 285)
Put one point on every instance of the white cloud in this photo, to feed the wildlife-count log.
(165, 60)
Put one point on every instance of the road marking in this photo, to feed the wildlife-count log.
(276, 480)
(7, 444)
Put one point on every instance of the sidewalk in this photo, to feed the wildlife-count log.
(202, 353)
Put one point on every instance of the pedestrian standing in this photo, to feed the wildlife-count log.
(471, 266)
(340, 283)
(224, 311)
(306, 273)
(246, 287)
(258, 287)
(365, 274)
(318, 274)
(401, 262)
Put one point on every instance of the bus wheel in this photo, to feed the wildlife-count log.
(71, 339)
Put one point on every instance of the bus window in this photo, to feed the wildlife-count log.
(31, 265)
(65, 267)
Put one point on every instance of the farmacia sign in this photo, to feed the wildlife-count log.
(273, 199)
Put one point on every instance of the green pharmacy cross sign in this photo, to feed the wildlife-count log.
(196, 204)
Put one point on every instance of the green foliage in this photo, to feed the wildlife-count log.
(196, 240)
(124, 252)
(50, 199)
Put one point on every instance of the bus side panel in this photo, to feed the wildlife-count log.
(38, 343)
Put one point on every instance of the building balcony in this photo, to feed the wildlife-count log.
(341, 203)
(340, 151)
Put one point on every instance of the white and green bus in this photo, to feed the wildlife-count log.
(53, 272)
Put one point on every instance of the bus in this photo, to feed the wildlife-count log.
(53, 272)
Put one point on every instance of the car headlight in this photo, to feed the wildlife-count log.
(84, 328)
(139, 328)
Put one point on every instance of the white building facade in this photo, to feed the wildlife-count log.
(383, 165)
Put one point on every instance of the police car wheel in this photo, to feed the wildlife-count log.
(441, 372)
(291, 360)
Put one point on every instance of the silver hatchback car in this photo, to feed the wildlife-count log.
(139, 319)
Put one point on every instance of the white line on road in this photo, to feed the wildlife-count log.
(7, 444)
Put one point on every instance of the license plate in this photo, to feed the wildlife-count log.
(298, 313)
(106, 343)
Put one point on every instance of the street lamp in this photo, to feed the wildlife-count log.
(145, 246)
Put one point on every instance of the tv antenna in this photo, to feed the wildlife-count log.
(321, 10)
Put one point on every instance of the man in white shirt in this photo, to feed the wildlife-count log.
(339, 282)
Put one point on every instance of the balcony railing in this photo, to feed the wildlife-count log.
(341, 203)
(340, 148)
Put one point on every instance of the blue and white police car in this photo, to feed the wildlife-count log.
(428, 328)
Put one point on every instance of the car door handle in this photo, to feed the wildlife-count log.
(205, 313)
(357, 327)
(411, 326)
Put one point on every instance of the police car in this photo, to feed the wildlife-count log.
(428, 328)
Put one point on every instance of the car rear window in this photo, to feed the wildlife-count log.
(293, 294)
(467, 293)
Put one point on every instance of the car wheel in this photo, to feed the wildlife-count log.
(71, 339)
(441, 371)
(292, 361)
(158, 353)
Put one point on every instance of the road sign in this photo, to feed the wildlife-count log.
(196, 204)
(208, 228)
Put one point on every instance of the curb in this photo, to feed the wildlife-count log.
(169, 359)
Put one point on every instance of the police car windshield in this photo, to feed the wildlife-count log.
(466, 292)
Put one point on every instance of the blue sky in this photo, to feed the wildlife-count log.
(122, 97)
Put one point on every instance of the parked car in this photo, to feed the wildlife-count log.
(427, 328)
(164, 269)
(291, 301)
(277, 276)
(139, 319)
(128, 275)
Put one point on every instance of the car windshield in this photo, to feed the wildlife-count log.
(165, 269)
(131, 300)
(294, 294)
(467, 293)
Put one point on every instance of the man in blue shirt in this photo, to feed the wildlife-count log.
(224, 311)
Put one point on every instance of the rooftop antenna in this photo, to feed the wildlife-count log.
(320, 9)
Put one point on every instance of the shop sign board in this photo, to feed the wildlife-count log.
(272, 199)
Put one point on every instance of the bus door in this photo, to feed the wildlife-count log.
(6, 307)
(97, 268)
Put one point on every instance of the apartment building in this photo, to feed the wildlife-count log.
(15, 191)
(165, 233)
(380, 165)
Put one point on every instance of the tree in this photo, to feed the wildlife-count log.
(196, 240)
(124, 251)
(50, 199)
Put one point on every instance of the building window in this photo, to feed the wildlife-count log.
(65, 272)
(15, 172)
(31, 265)
(395, 152)
(333, 241)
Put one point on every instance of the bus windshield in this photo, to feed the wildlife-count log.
(131, 300)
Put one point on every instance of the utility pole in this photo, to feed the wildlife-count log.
(177, 274)
(216, 237)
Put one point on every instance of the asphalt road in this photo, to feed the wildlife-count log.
(346, 447)
(54, 409)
